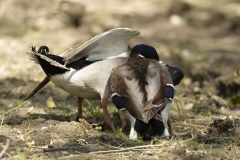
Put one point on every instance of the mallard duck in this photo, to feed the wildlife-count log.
(143, 90)
(83, 70)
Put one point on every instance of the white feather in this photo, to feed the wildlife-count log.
(115, 94)
(91, 82)
(153, 79)
(133, 90)
(171, 85)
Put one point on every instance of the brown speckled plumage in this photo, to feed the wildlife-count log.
(151, 78)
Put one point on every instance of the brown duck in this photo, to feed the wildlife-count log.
(143, 90)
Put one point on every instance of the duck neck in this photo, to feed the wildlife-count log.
(134, 57)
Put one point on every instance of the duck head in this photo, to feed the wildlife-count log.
(176, 74)
(145, 51)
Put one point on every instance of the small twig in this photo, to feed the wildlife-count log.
(110, 151)
(14, 108)
(178, 133)
(197, 119)
(222, 138)
(121, 145)
(127, 149)
(62, 148)
(108, 145)
(145, 149)
(190, 138)
(5, 148)
(193, 125)
(11, 110)
(128, 152)
(2, 120)
(227, 107)
(224, 102)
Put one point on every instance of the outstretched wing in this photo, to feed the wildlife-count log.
(108, 44)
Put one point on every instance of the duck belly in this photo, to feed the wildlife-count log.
(70, 83)
(90, 82)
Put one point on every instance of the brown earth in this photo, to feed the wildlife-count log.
(199, 36)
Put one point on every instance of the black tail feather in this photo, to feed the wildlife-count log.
(43, 50)
(40, 86)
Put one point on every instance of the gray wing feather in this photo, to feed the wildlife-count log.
(108, 44)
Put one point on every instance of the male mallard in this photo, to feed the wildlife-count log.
(83, 70)
(143, 90)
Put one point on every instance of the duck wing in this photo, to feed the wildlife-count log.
(108, 44)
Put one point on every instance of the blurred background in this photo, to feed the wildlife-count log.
(202, 37)
(199, 36)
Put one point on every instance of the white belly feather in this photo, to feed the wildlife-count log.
(91, 82)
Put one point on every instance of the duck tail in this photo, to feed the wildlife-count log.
(152, 110)
(40, 86)
(41, 57)
(32, 56)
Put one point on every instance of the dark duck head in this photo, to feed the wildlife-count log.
(176, 74)
(145, 51)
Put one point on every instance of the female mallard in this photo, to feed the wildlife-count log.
(143, 90)
(84, 70)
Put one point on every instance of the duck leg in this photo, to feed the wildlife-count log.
(170, 124)
(133, 133)
(124, 115)
(106, 114)
(89, 120)
(124, 124)
(165, 117)
(80, 107)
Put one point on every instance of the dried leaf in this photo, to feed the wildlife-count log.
(50, 103)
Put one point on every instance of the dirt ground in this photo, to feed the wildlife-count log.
(199, 36)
